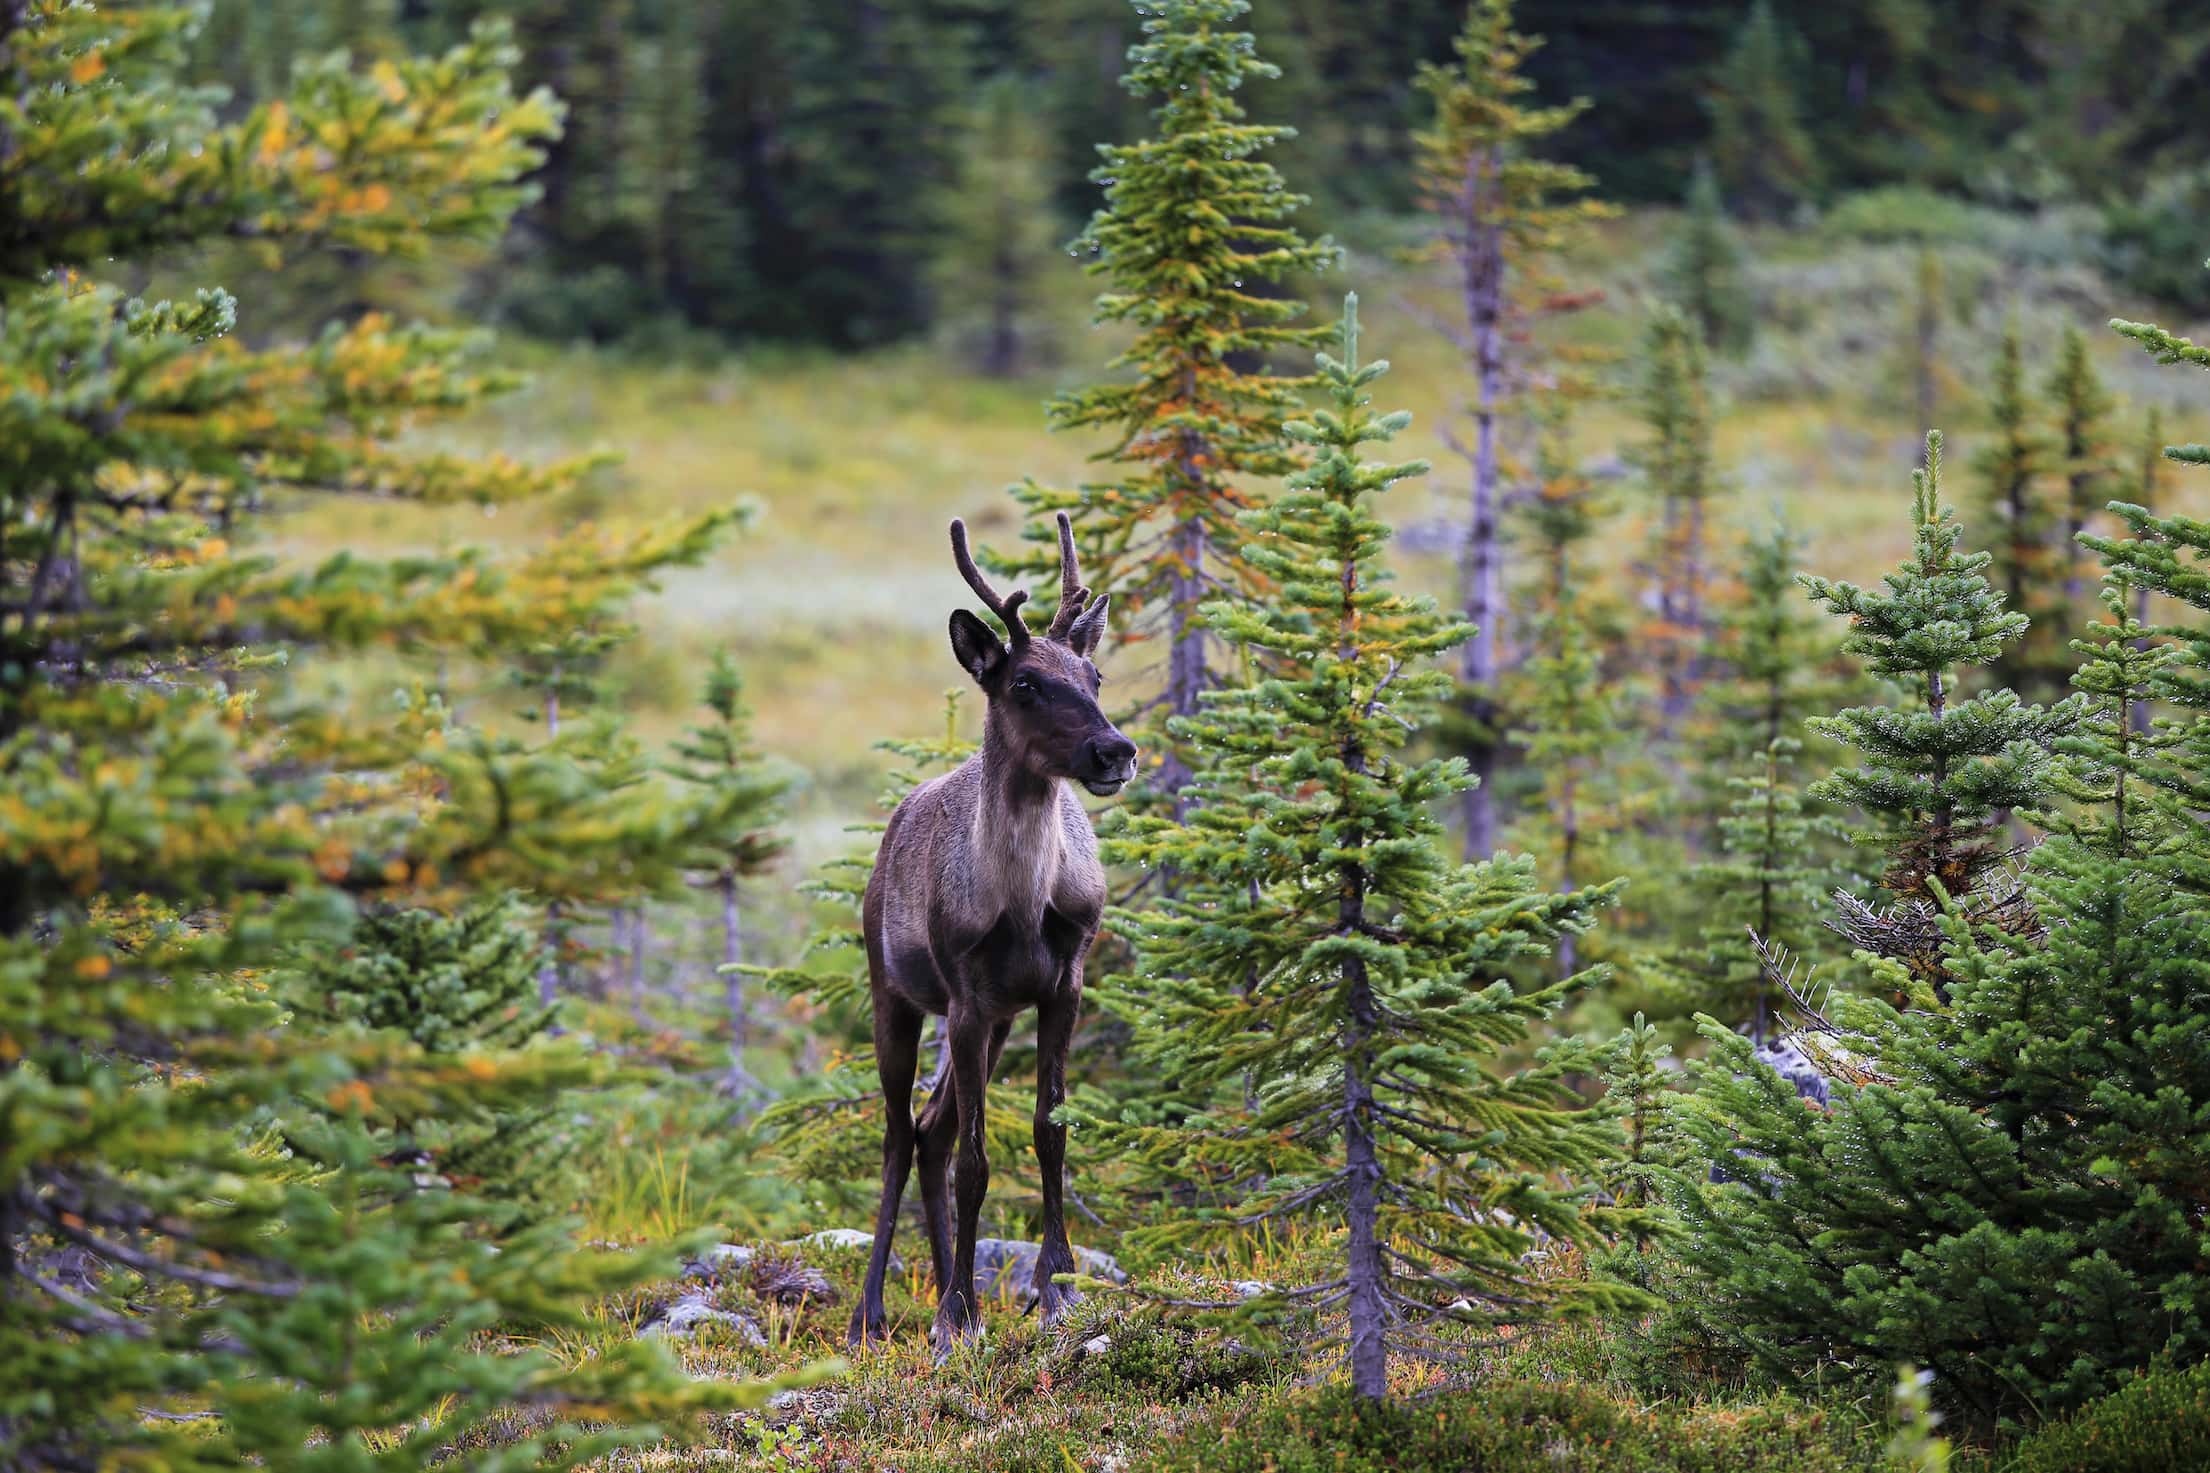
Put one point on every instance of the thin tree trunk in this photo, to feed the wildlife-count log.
(1367, 1281)
(1692, 603)
(1672, 612)
(1481, 264)
(732, 987)
(1185, 660)
(2138, 711)
(549, 972)
(1366, 1276)
(639, 939)
(1569, 828)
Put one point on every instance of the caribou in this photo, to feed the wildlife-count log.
(985, 898)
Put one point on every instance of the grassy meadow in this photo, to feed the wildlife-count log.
(834, 600)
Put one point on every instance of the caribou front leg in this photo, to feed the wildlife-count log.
(1054, 1032)
(958, 1314)
(897, 1039)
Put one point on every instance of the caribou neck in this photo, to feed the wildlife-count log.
(1017, 839)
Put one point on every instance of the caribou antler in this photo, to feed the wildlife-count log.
(1008, 606)
(1072, 595)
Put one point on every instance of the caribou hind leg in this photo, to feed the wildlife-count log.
(935, 1134)
(897, 1047)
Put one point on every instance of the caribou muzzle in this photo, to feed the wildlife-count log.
(1108, 764)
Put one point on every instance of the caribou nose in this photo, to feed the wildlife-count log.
(1111, 755)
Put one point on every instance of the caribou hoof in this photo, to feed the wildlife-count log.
(1057, 1299)
(952, 1331)
(867, 1329)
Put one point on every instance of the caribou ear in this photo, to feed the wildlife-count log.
(978, 650)
(1088, 632)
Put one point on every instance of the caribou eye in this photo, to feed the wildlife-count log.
(1024, 688)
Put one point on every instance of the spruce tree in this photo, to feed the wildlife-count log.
(1569, 716)
(1502, 208)
(181, 1285)
(716, 757)
(2166, 555)
(1760, 895)
(2146, 489)
(2082, 453)
(1351, 1014)
(1771, 854)
(1195, 239)
(1681, 477)
(1703, 271)
(2023, 550)
(1757, 130)
(2007, 1188)
(1775, 658)
(1939, 776)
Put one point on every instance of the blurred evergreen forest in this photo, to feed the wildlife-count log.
(729, 169)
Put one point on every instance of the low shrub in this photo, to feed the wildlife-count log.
(1516, 1427)
(2156, 1423)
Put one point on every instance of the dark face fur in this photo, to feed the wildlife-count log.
(1043, 702)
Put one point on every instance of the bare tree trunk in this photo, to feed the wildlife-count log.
(549, 977)
(1366, 1276)
(1185, 659)
(639, 939)
(1481, 266)
(1692, 606)
(732, 988)
(1569, 831)
(1673, 613)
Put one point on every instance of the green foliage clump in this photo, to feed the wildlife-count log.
(2159, 1422)
(1511, 1427)
(2004, 1191)
(208, 1253)
(1703, 271)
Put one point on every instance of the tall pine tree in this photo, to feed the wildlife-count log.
(717, 757)
(1357, 992)
(2082, 450)
(1196, 240)
(1502, 208)
(2023, 551)
(1681, 477)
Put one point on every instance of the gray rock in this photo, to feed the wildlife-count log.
(723, 1260)
(1012, 1263)
(834, 1238)
(679, 1319)
(1250, 1288)
(1099, 1346)
(1791, 1063)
